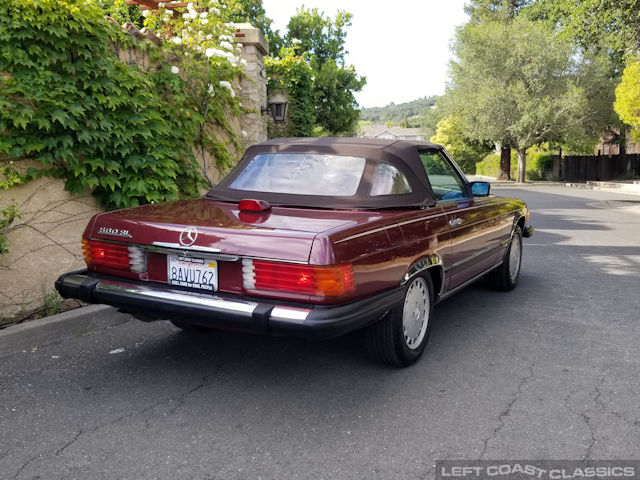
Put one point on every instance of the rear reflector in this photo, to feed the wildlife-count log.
(251, 205)
(321, 281)
(114, 255)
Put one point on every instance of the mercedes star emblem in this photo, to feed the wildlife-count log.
(188, 236)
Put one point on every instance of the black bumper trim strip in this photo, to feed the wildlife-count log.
(257, 315)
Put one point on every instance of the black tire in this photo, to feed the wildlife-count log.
(190, 328)
(387, 340)
(505, 277)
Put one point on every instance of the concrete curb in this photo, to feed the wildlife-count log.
(43, 331)
(632, 188)
(527, 184)
(614, 187)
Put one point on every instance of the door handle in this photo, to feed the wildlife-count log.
(455, 222)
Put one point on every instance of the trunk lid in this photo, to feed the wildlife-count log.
(283, 233)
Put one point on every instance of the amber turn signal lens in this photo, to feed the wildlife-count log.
(86, 251)
(321, 281)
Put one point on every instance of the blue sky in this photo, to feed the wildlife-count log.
(402, 47)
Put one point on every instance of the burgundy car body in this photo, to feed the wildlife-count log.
(456, 241)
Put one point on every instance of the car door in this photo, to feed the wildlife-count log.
(474, 229)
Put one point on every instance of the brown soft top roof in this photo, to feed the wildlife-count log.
(403, 154)
(376, 143)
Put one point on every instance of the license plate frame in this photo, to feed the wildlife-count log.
(195, 273)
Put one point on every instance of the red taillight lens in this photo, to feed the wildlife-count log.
(322, 281)
(251, 205)
(114, 255)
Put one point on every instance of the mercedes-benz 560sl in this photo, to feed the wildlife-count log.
(311, 237)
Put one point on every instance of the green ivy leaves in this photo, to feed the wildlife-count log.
(292, 74)
(67, 101)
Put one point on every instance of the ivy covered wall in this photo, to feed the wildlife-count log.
(96, 115)
(123, 132)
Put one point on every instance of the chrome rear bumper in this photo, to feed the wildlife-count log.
(231, 312)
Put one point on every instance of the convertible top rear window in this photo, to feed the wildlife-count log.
(302, 174)
(335, 173)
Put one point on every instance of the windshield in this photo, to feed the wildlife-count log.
(302, 174)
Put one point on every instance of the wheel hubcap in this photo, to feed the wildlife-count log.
(415, 313)
(514, 258)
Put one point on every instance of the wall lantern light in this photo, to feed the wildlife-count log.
(278, 106)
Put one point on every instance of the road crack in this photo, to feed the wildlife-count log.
(24, 465)
(205, 379)
(586, 418)
(70, 442)
(180, 399)
(507, 410)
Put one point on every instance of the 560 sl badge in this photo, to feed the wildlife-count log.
(114, 232)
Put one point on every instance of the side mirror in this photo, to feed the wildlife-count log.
(480, 189)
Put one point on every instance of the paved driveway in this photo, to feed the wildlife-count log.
(550, 370)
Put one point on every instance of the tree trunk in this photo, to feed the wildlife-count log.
(522, 164)
(505, 163)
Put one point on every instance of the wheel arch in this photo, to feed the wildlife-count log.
(431, 265)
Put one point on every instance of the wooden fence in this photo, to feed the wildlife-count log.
(600, 167)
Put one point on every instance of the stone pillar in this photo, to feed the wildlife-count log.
(254, 83)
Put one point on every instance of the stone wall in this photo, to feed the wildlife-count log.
(45, 241)
(250, 128)
(254, 84)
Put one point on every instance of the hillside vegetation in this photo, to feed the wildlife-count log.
(396, 113)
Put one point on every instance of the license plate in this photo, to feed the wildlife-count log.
(198, 273)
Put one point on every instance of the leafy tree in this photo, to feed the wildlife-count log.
(310, 31)
(502, 11)
(322, 38)
(594, 76)
(609, 26)
(627, 103)
(336, 109)
(514, 84)
(465, 151)
(604, 30)
(431, 117)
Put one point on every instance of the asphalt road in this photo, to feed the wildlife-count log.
(550, 370)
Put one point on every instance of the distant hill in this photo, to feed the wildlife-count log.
(396, 113)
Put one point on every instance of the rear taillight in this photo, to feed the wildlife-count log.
(114, 255)
(252, 205)
(322, 281)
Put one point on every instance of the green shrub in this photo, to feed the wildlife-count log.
(538, 165)
(490, 165)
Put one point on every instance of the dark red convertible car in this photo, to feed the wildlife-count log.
(312, 237)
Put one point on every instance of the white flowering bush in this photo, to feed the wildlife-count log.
(201, 60)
